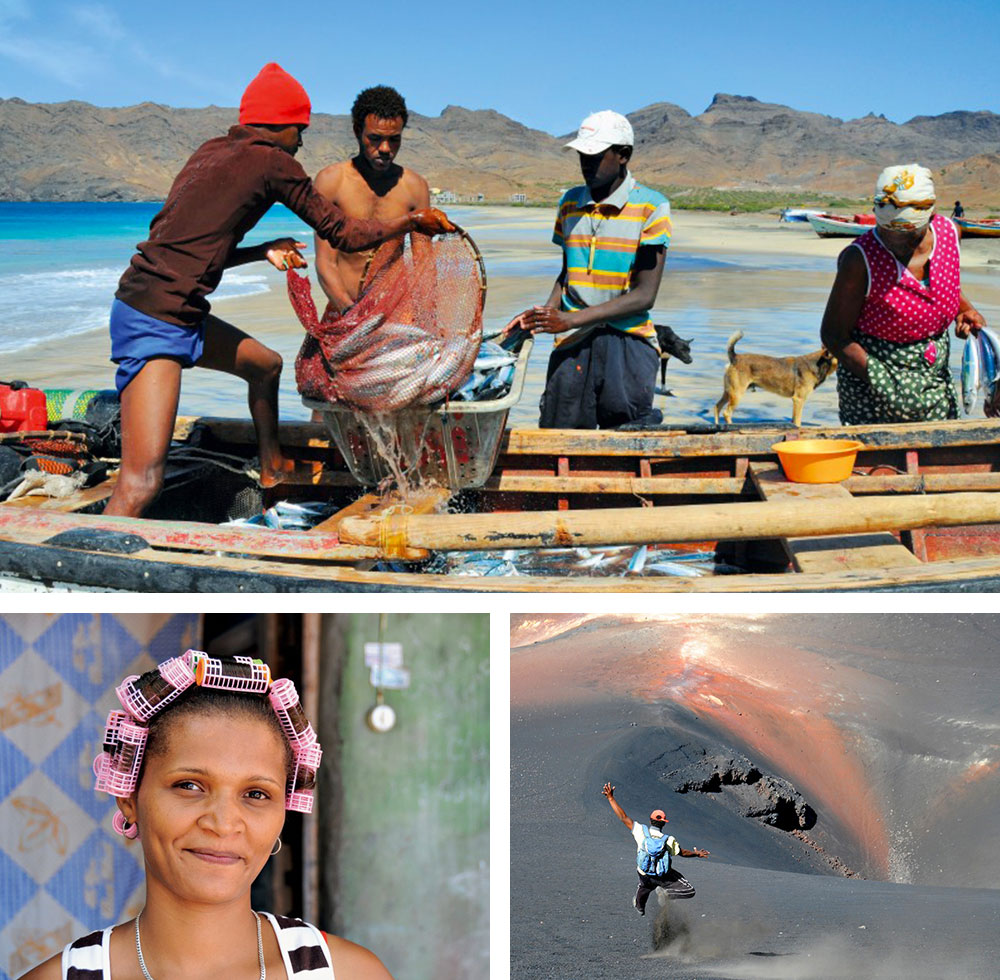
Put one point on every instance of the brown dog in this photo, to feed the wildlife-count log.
(790, 377)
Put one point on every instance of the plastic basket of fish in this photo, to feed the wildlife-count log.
(455, 443)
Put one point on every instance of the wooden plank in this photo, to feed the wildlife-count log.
(40, 526)
(671, 443)
(654, 485)
(872, 550)
(67, 505)
(364, 506)
(667, 443)
(293, 435)
(923, 483)
(670, 485)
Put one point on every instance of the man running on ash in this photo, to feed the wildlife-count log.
(654, 850)
(370, 185)
(614, 234)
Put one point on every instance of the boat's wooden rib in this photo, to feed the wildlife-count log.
(871, 550)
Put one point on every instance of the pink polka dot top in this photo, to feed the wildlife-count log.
(898, 306)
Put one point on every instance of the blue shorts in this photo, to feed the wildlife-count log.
(137, 338)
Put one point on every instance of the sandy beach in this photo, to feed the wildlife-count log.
(724, 273)
(883, 726)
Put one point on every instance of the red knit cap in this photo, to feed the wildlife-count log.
(274, 97)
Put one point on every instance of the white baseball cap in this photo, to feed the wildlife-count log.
(601, 130)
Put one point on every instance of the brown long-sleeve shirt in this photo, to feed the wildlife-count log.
(219, 195)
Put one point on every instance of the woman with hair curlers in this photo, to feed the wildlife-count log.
(204, 761)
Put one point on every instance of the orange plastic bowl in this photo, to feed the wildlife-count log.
(817, 460)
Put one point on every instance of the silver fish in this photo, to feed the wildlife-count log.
(682, 569)
(994, 342)
(356, 341)
(489, 363)
(972, 370)
(638, 561)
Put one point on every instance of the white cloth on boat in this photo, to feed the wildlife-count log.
(904, 197)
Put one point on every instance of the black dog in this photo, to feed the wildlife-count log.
(671, 346)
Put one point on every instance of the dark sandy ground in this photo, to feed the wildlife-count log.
(883, 731)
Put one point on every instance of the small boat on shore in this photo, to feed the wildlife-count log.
(797, 214)
(692, 509)
(987, 228)
(836, 226)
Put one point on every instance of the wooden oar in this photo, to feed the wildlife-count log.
(648, 525)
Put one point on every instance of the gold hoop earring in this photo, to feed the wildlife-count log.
(277, 847)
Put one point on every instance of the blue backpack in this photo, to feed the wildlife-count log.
(654, 857)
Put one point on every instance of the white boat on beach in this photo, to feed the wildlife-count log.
(833, 226)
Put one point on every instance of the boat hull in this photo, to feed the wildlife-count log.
(828, 227)
(555, 479)
(978, 229)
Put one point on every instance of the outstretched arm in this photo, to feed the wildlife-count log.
(609, 793)
(695, 852)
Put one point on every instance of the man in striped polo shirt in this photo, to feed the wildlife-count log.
(614, 234)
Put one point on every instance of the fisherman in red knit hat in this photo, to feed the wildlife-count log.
(161, 320)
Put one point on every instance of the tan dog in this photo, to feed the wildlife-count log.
(790, 377)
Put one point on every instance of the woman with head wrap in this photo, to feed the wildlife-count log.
(204, 760)
(898, 288)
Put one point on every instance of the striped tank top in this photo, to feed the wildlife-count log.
(303, 950)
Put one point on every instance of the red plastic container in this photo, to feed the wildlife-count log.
(22, 409)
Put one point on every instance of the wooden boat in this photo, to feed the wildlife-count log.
(988, 228)
(835, 226)
(920, 513)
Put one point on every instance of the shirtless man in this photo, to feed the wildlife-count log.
(371, 185)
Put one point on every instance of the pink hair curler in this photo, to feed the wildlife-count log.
(117, 767)
(245, 676)
(175, 676)
(307, 759)
(285, 701)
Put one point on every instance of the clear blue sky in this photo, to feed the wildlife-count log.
(545, 63)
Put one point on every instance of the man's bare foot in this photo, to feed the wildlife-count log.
(275, 471)
(289, 471)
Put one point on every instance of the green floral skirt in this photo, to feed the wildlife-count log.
(903, 384)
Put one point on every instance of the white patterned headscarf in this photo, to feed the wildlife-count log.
(904, 197)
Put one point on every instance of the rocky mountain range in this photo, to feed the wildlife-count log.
(76, 151)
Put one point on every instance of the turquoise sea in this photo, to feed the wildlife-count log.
(60, 265)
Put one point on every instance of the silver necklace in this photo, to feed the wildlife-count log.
(260, 948)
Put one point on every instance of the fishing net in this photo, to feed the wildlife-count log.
(412, 336)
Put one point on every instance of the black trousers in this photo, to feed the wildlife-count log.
(604, 381)
(673, 883)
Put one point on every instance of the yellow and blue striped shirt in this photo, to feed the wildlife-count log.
(600, 241)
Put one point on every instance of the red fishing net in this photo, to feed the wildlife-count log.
(411, 337)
